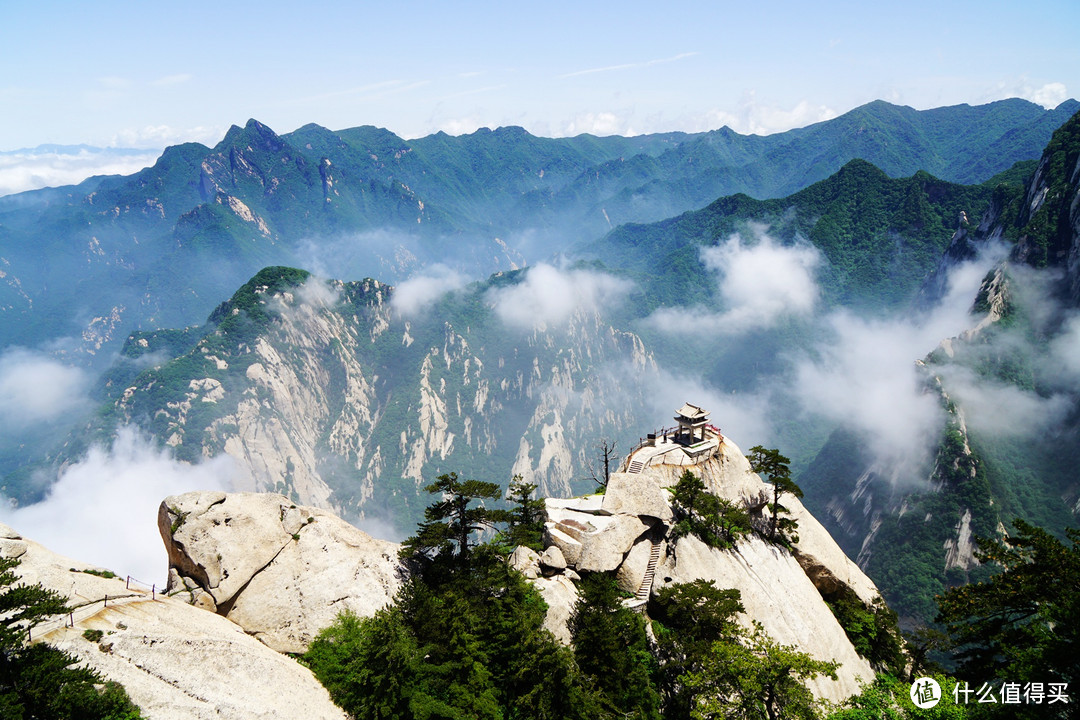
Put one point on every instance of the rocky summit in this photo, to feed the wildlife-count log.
(628, 530)
(279, 571)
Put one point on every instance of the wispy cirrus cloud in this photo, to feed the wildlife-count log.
(177, 79)
(629, 66)
(371, 91)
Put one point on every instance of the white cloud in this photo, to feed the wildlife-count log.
(178, 79)
(1049, 95)
(549, 296)
(863, 373)
(30, 170)
(755, 118)
(629, 66)
(598, 123)
(36, 388)
(757, 285)
(415, 295)
(103, 509)
(1063, 361)
(160, 136)
(864, 377)
(1000, 410)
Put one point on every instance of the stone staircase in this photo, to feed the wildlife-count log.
(636, 466)
(645, 588)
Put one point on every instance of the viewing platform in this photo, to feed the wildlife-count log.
(689, 442)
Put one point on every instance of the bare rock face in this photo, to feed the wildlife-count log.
(177, 662)
(777, 593)
(280, 571)
(635, 494)
(626, 531)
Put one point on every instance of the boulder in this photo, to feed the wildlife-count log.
(282, 572)
(526, 561)
(636, 494)
(553, 558)
(569, 546)
(632, 571)
(587, 504)
(561, 595)
(604, 549)
(176, 661)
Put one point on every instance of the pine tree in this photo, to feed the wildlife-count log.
(777, 470)
(38, 681)
(611, 647)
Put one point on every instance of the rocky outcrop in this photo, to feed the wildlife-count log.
(177, 662)
(280, 571)
(338, 399)
(626, 530)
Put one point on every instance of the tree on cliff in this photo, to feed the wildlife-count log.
(776, 469)
(451, 521)
(1023, 624)
(612, 649)
(525, 519)
(38, 681)
(464, 638)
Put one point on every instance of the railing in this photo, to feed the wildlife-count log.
(664, 432)
(89, 608)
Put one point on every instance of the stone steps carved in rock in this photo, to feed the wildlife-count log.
(650, 572)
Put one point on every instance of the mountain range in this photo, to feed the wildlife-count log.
(601, 299)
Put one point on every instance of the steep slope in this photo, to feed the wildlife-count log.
(175, 660)
(630, 530)
(324, 392)
(1010, 440)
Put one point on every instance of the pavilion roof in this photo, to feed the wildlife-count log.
(692, 412)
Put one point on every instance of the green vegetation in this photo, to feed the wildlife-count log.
(687, 620)
(1022, 624)
(39, 681)
(465, 639)
(776, 470)
(612, 650)
(756, 678)
(715, 521)
(888, 698)
(451, 521)
(525, 519)
(873, 630)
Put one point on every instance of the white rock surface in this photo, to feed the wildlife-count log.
(177, 662)
(780, 589)
(280, 571)
(526, 561)
(636, 494)
(604, 550)
(778, 594)
(570, 546)
(728, 475)
(553, 558)
(560, 594)
(632, 570)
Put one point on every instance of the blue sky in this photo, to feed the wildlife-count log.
(149, 74)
